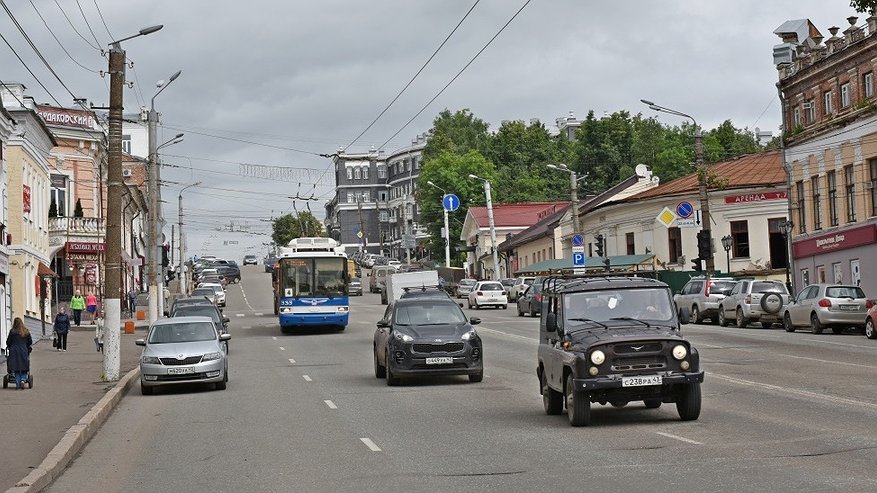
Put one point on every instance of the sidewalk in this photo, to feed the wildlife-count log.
(66, 386)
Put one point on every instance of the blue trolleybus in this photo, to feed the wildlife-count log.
(310, 284)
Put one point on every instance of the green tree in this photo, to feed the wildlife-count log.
(290, 226)
(865, 6)
(450, 172)
(458, 132)
(521, 153)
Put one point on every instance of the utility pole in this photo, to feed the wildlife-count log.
(490, 222)
(154, 205)
(574, 195)
(447, 238)
(361, 231)
(184, 281)
(405, 229)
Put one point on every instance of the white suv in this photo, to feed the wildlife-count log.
(488, 293)
(754, 301)
(521, 285)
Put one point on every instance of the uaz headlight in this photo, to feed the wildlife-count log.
(403, 337)
(680, 352)
(598, 357)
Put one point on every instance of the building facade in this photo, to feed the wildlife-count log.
(7, 126)
(830, 116)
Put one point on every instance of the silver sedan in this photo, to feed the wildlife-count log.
(183, 350)
(818, 306)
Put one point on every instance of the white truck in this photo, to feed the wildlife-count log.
(395, 284)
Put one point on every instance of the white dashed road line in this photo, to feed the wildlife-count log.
(239, 315)
(282, 348)
(258, 314)
(244, 293)
(515, 336)
(307, 378)
(681, 439)
(798, 392)
(331, 404)
(370, 444)
(274, 337)
(758, 351)
(292, 361)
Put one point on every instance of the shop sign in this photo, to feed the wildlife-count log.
(91, 274)
(82, 257)
(66, 117)
(756, 197)
(82, 247)
(840, 240)
(25, 198)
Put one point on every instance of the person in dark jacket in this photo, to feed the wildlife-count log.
(19, 343)
(62, 326)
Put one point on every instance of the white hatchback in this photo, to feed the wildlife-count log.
(488, 293)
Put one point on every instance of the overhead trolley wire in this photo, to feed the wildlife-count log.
(101, 14)
(86, 23)
(74, 27)
(59, 41)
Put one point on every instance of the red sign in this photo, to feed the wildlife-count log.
(66, 117)
(80, 247)
(841, 240)
(756, 197)
(25, 198)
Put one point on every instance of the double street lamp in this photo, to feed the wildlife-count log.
(183, 278)
(447, 231)
(701, 180)
(491, 224)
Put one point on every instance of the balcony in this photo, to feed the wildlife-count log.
(63, 229)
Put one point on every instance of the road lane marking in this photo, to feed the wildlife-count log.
(239, 315)
(798, 392)
(857, 346)
(307, 378)
(529, 339)
(282, 348)
(754, 351)
(274, 337)
(244, 293)
(258, 314)
(292, 361)
(677, 437)
(370, 444)
(331, 404)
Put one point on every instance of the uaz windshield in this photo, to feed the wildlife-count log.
(653, 304)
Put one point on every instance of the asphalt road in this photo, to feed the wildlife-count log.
(781, 412)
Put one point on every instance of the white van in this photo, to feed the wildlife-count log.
(378, 277)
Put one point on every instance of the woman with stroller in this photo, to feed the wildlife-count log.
(19, 343)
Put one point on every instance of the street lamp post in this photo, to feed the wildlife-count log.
(183, 278)
(156, 282)
(701, 180)
(491, 224)
(727, 241)
(447, 230)
(574, 197)
(786, 228)
(115, 183)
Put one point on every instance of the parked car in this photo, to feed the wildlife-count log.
(822, 306)
(250, 260)
(426, 336)
(507, 286)
(530, 301)
(231, 272)
(488, 293)
(183, 350)
(425, 292)
(521, 285)
(376, 282)
(871, 321)
(464, 287)
(354, 287)
(207, 292)
(702, 297)
(754, 301)
(218, 290)
(269, 263)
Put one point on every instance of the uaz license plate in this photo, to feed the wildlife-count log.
(180, 371)
(439, 361)
(641, 381)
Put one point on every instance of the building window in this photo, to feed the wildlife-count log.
(126, 144)
(631, 247)
(827, 103)
(740, 235)
(356, 174)
(382, 196)
(408, 165)
(416, 163)
(817, 203)
(365, 173)
(551, 253)
(810, 112)
(832, 197)
(384, 217)
(351, 197)
(365, 196)
(674, 244)
(873, 169)
(801, 204)
(59, 197)
(845, 95)
(796, 117)
(349, 173)
(382, 172)
(868, 84)
(850, 190)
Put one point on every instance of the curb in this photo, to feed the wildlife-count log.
(75, 438)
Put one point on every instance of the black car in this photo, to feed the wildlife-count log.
(530, 302)
(425, 292)
(614, 340)
(250, 260)
(231, 272)
(427, 336)
(269, 263)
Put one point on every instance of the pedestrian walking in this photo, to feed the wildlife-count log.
(132, 301)
(91, 305)
(77, 304)
(62, 327)
(19, 344)
(99, 332)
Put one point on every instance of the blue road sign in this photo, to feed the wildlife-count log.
(684, 209)
(578, 259)
(577, 240)
(450, 202)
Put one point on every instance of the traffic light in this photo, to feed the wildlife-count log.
(696, 265)
(704, 245)
(599, 239)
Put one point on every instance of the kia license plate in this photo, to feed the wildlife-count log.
(439, 361)
(641, 381)
(180, 371)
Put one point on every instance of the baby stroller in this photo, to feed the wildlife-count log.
(9, 377)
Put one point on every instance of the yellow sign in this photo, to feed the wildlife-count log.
(359, 234)
(666, 217)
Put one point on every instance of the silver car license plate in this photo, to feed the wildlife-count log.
(849, 308)
(180, 371)
(641, 381)
(439, 361)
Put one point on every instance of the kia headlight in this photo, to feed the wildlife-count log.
(469, 335)
(403, 337)
(211, 356)
(680, 352)
(598, 357)
(150, 360)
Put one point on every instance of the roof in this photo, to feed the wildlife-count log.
(515, 215)
(538, 230)
(590, 263)
(753, 170)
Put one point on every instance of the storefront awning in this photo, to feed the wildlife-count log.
(44, 271)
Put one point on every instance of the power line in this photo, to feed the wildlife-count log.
(284, 148)
(86, 22)
(456, 76)
(101, 14)
(30, 72)
(58, 40)
(434, 53)
(74, 27)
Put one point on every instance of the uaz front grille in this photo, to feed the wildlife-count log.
(191, 360)
(451, 347)
(642, 347)
(657, 362)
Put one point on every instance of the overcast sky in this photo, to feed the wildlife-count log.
(294, 76)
